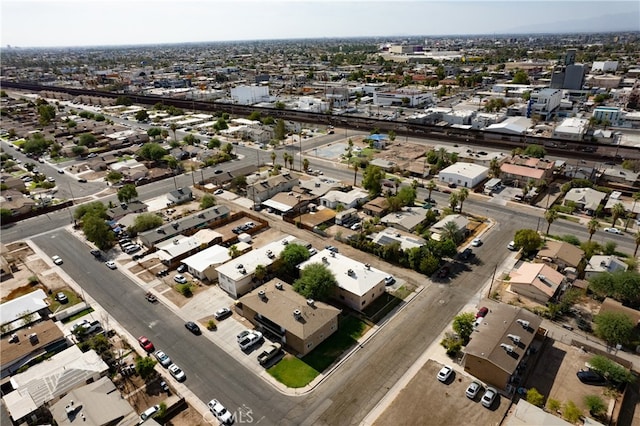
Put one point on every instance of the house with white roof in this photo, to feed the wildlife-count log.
(359, 284)
(176, 248)
(511, 126)
(406, 220)
(439, 229)
(349, 199)
(13, 311)
(202, 265)
(600, 263)
(236, 276)
(572, 128)
(392, 236)
(467, 175)
(586, 199)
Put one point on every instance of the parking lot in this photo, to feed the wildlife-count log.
(426, 401)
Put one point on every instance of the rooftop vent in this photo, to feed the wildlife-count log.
(367, 266)
(516, 339)
(311, 302)
(324, 259)
(523, 323)
(262, 294)
(285, 242)
(297, 314)
(239, 266)
(243, 271)
(350, 272)
(506, 347)
(279, 286)
(603, 263)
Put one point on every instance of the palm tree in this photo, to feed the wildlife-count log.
(396, 183)
(592, 227)
(616, 211)
(305, 164)
(463, 194)
(550, 215)
(431, 186)
(453, 201)
(234, 252)
(355, 173)
(173, 128)
(636, 198)
(273, 158)
(494, 168)
(636, 238)
(451, 231)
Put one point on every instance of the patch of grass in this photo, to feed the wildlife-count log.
(570, 218)
(402, 292)
(293, 372)
(78, 315)
(55, 305)
(349, 331)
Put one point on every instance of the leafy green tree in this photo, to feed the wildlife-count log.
(520, 77)
(145, 367)
(372, 179)
(528, 240)
(152, 151)
(207, 201)
(279, 105)
(46, 114)
(407, 195)
(536, 151)
(123, 100)
(315, 282)
(451, 343)
(142, 116)
(255, 116)
(36, 144)
(623, 286)
(191, 140)
(613, 327)
(534, 397)
(87, 139)
(94, 208)
(305, 164)
(146, 221)
(127, 193)
(280, 131)
(98, 231)
(610, 369)
(463, 325)
(114, 176)
(292, 256)
(154, 132)
(595, 404)
(228, 149)
(5, 214)
(214, 143)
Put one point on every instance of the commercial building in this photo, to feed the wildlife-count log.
(467, 175)
(409, 98)
(248, 95)
(359, 284)
(572, 129)
(611, 115)
(287, 317)
(544, 103)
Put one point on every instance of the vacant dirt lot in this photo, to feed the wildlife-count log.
(426, 401)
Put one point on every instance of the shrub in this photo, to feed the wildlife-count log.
(595, 404)
(211, 325)
(571, 412)
(553, 405)
(33, 280)
(534, 397)
(184, 289)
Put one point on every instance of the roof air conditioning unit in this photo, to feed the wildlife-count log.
(297, 314)
(350, 272)
(311, 302)
(279, 286)
(523, 323)
(176, 242)
(366, 265)
(516, 339)
(506, 347)
(243, 271)
(324, 259)
(541, 277)
(239, 266)
(262, 294)
(333, 254)
(603, 263)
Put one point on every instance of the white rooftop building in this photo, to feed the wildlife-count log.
(348, 199)
(204, 263)
(572, 128)
(359, 284)
(467, 175)
(177, 246)
(236, 276)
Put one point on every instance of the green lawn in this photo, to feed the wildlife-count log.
(292, 372)
(73, 299)
(350, 329)
(78, 315)
(381, 306)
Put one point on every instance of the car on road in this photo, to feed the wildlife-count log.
(222, 414)
(251, 339)
(218, 192)
(444, 272)
(145, 344)
(192, 327)
(57, 260)
(60, 171)
(590, 377)
(613, 231)
(162, 358)
(62, 298)
(82, 180)
(180, 279)
(466, 254)
(445, 373)
(51, 179)
(146, 414)
(489, 397)
(217, 171)
(512, 245)
(473, 389)
(177, 372)
(96, 253)
(270, 352)
(111, 264)
(222, 313)
(477, 242)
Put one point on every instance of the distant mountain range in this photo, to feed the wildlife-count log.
(605, 23)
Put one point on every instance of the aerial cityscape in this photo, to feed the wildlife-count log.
(306, 213)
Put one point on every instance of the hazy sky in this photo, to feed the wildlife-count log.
(30, 23)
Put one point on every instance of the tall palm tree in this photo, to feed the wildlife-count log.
(453, 201)
(550, 215)
(431, 186)
(592, 227)
(616, 211)
(636, 238)
(494, 168)
(273, 158)
(173, 128)
(636, 198)
(463, 194)
(451, 231)
(355, 173)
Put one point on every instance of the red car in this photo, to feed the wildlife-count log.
(482, 312)
(146, 344)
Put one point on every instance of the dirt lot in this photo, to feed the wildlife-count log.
(426, 401)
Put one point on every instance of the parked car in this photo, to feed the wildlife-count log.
(444, 272)
(218, 171)
(332, 248)
(613, 231)
(177, 372)
(445, 373)
(222, 313)
(218, 192)
(222, 414)
(62, 298)
(590, 377)
(86, 327)
(96, 253)
(466, 254)
(146, 414)
(489, 397)
(312, 251)
(180, 279)
(82, 180)
(270, 352)
(477, 242)
(163, 358)
(482, 312)
(390, 280)
(242, 335)
(57, 260)
(145, 344)
(111, 264)
(182, 268)
(511, 246)
(192, 327)
(473, 389)
(249, 340)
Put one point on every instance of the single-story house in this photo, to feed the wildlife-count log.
(349, 199)
(406, 220)
(267, 188)
(180, 195)
(562, 255)
(586, 199)
(203, 264)
(439, 229)
(116, 213)
(376, 207)
(537, 281)
(467, 175)
(601, 263)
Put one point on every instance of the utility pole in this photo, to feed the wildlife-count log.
(493, 277)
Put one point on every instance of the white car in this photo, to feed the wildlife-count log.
(473, 389)
(511, 245)
(251, 339)
(177, 372)
(148, 413)
(180, 279)
(111, 264)
(222, 414)
(489, 396)
(613, 231)
(218, 192)
(57, 260)
(477, 242)
(163, 358)
(444, 373)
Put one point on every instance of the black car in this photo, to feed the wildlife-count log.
(591, 378)
(96, 253)
(218, 171)
(466, 254)
(182, 268)
(444, 272)
(192, 327)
